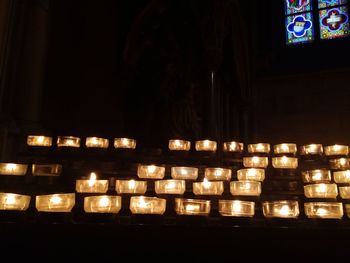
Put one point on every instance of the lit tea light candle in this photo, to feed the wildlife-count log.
(342, 177)
(236, 208)
(251, 174)
(324, 210)
(37, 140)
(13, 169)
(344, 192)
(179, 145)
(150, 171)
(130, 187)
(102, 204)
(217, 174)
(285, 162)
(285, 148)
(9, 201)
(95, 142)
(255, 162)
(245, 188)
(192, 207)
(208, 188)
(321, 190)
(124, 143)
(68, 141)
(317, 176)
(206, 145)
(46, 169)
(340, 163)
(233, 147)
(184, 173)
(347, 208)
(91, 185)
(281, 209)
(147, 205)
(55, 202)
(176, 187)
(259, 148)
(311, 149)
(336, 150)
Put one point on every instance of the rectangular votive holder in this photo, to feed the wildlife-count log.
(91, 185)
(218, 174)
(285, 148)
(175, 187)
(233, 146)
(321, 190)
(255, 162)
(316, 176)
(236, 208)
(102, 204)
(124, 143)
(68, 141)
(46, 169)
(147, 205)
(14, 202)
(324, 210)
(245, 188)
(339, 163)
(39, 140)
(184, 173)
(206, 145)
(150, 171)
(251, 174)
(13, 169)
(192, 207)
(130, 186)
(96, 142)
(179, 145)
(55, 202)
(281, 209)
(347, 208)
(208, 188)
(342, 177)
(344, 192)
(259, 148)
(284, 162)
(311, 149)
(336, 150)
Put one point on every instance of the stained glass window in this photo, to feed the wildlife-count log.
(297, 6)
(328, 3)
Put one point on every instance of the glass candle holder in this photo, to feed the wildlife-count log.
(259, 148)
(233, 147)
(124, 143)
(344, 192)
(13, 169)
(150, 171)
(179, 145)
(342, 177)
(184, 173)
(251, 174)
(321, 190)
(147, 205)
(285, 162)
(324, 210)
(91, 185)
(46, 169)
(347, 208)
(340, 163)
(175, 187)
(68, 141)
(192, 207)
(206, 145)
(316, 176)
(245, 188)
(236, 208)
(285, 148)
(255, 162)
(102, 204)
(96, 142)
(38, 140)
(10, 201)
(217, 174)
(311, 149)
(130, 187)
(55, 202)
(336, 149)
(208, 188)
(281, 209)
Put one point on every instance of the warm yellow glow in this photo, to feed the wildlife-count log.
(285, 148)
(215, 174)
(344, 192)
(208, 188)
(340, 163)
(284, 210)
(342, 176)
(10, 201)
(245, 188)
(336, 149)
(281, 209)
(147, 205)
(150, 171)
(132, 184)
(184, 173)
(125, 143)
(102, 204)
(285, 162)
(233, 146)
(321, 190)
(95, 142)
(316, 176)
(236, 208)
(251, 174)
(259, 148)
(170, 186)
(311, 149)
(46, 169)
(68, 141)
(192, 207)
(91, 185)
(104, 201)
(326, 210)
(92, 179)
(179, 145)
(130, 187)
(55, 202)
(206, 145)
(255, 162)
(38, 140)
(206, 183)
(13, 169)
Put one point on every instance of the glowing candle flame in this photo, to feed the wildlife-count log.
(92, 179)
(104, 202)
(55, 200)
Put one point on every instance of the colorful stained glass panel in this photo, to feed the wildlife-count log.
(334, 22)
(299, 28)
(328, 3)
(297, 6)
